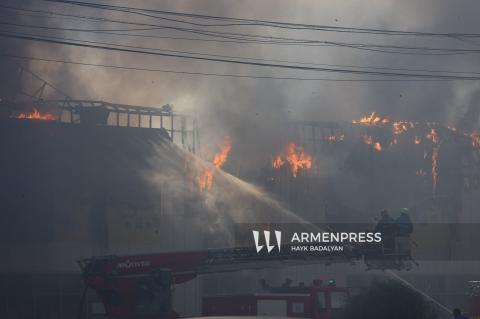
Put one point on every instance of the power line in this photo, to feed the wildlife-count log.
(104, 20)
(154, 26)
(226, 35)
(267, 22)
(250, 58)
(50, 14)
(158, 49)
(74, 29)
(358, 46)
(210, 74)
(258, 64)
(247, 38)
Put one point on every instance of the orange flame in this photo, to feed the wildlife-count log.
(434, 168)
(432, 136)
(220, 158)
(475, 139)
(371, 119)
(367, 139)
(417, 140)
(35, 115)
(401, 127)
(296, 157)
(205, 178)
(278, 162)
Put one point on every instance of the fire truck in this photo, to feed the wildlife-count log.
(316, 301)
(140, 286)
(474, 300)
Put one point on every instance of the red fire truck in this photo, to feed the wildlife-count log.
(474, 300)
(315, 301)
(140, 286)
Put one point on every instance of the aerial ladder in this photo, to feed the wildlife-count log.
(140, 286)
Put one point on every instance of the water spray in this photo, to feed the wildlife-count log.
(409, 285)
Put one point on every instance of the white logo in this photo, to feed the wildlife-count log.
(127, 264)
(278, 236)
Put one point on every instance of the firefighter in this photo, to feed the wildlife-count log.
(385, 223)
(385, 227)
(457, 314)
(403, 224)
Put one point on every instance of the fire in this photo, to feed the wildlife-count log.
(367, 139)
(371, 119)
(35, 115)
(418, 140)
(220, 158)
(434, 168)
(278, 162)
(401, 127)
(432, 136)
(205, 178)
(475, 139)
(296, 157)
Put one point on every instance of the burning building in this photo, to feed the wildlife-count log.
(103, 178)
(369, 155)
(90, 178)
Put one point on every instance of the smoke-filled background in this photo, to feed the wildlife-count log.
(252, 111)
(81, 191)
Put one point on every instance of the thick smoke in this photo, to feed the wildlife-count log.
(253, 111)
